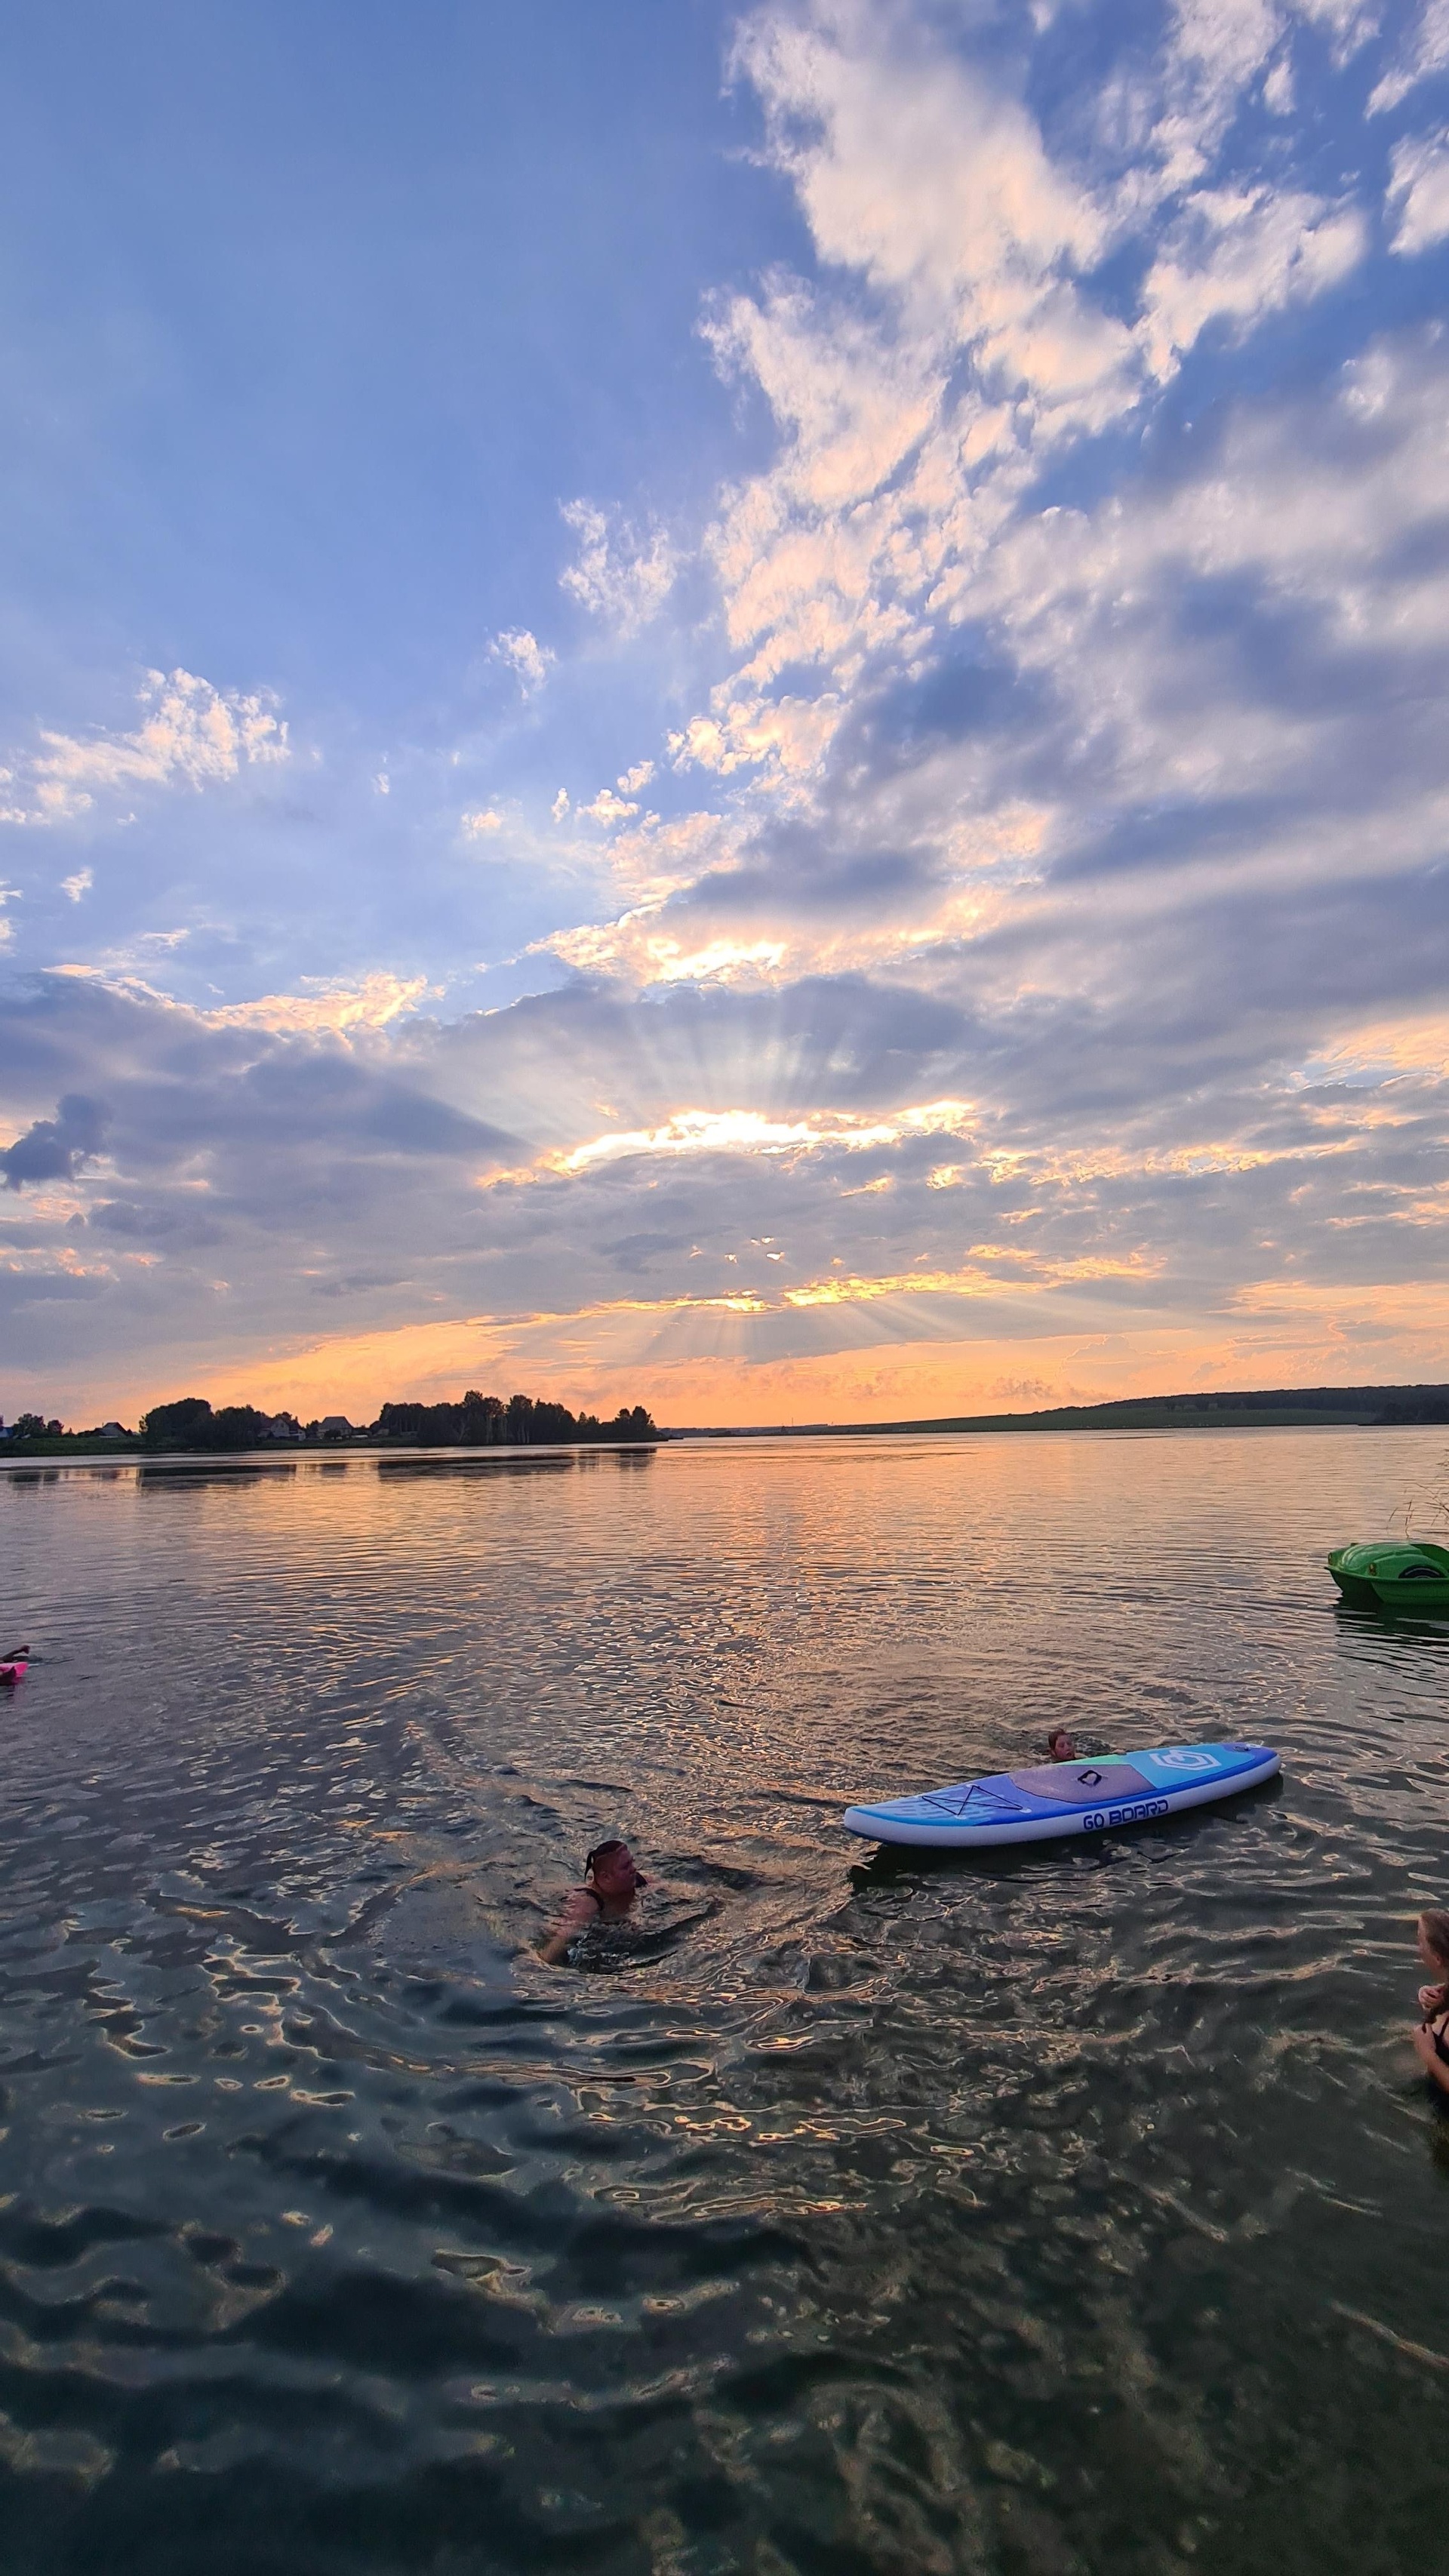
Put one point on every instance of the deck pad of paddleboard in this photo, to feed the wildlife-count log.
(1053, 1798)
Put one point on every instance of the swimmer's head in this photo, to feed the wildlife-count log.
(610, 1868)
(1434, 1940)
(1060, 1747)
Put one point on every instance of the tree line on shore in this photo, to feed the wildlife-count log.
(475, 1422)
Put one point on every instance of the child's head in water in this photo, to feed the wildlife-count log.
(1060, 1747)
(609, 1868)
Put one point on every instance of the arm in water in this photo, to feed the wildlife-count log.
(581, 1908)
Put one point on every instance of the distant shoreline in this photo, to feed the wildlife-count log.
(1246, 1409)
(1392, 1408)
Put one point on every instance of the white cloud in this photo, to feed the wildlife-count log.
(623, 575)
(913, 423)
(374, 1003)
(1214, 51)
(1236, 254)
(785, 739)
(909, 165)
(81, 883)
(745, 1131)
(192, 735)
(608, 808)
(1420, 189)
(651, 860)
(560, 806)
(382, 784)
(633, 779)
(1348, 23)
(1425, 52)
(480, 822)
(636, 949)
(529, 661)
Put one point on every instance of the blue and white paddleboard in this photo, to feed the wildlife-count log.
(1082, 1797)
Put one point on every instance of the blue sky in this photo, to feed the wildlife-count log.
(738, 706)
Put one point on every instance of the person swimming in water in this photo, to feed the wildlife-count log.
(1060, 1747)
(610, 1886)
(1431, 2046)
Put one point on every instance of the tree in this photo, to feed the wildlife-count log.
(189, 1423)
(185, 1424)
(485, 1422)
(482, 1419)
(237, 1426)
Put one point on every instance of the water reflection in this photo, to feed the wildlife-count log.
(1070, 2208)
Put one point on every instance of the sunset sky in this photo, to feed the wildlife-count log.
(744, 710)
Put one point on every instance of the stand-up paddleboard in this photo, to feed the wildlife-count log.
(1082, 1797)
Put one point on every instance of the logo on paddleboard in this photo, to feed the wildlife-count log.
(1134, 1815)
(1186, 1757)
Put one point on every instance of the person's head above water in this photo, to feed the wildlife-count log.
(1434, 1940)
(609, 1867)
(1060, 1747)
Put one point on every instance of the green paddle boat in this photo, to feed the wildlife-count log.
(1396, 1575)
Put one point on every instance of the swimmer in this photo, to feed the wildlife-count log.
(611, 1884)
(1060, 1747)
(1431, 2046)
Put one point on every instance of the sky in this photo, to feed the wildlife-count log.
(737, 709)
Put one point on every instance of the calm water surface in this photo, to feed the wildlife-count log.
(1071, 2211)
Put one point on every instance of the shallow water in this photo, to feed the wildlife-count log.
(1069, 2210)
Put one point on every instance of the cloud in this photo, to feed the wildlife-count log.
(77, 885)
(56, 1148)
(481, 822)
(373, 1004)
(608, 808)
(1419, 188)
(1424, 53)
(192, 735)
(915, 416)
(745, 1131)
(529, 661)
(1237, 254)
(623, 575)
(390, 1167)
(378, 1000)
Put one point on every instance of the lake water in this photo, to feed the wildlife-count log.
(1047, 2212)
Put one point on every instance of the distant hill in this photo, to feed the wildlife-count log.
(1253, 1408)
